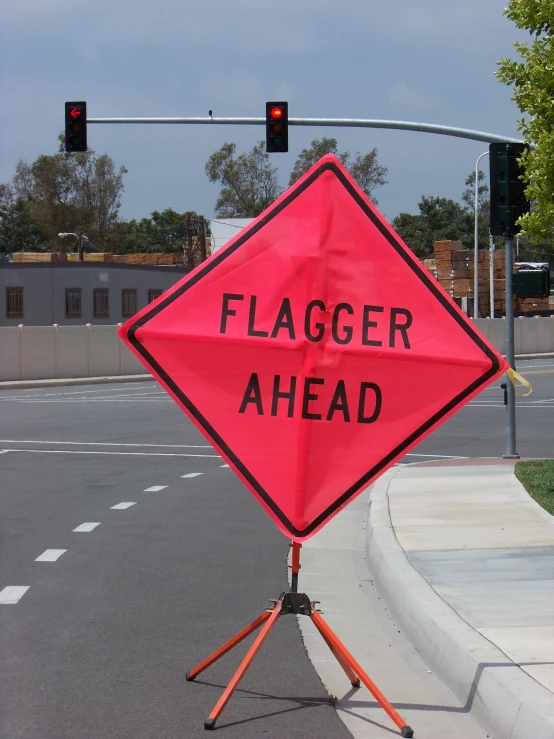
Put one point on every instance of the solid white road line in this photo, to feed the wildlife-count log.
(11, 594)
(81, 393)
(155, 488)
(193, 474)
(85, 400)
(224, 465)
(121, 506)
(120, 454)
(86, 528)
(107, 443)
(50, 555)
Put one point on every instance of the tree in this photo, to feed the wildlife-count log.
(71, 192)
(249, 182)
(438, 219)
(532, 79)
(18, 229)
(165, 231)
(366, 170)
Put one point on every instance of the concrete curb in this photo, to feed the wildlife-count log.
(499, 693)
(23, 384)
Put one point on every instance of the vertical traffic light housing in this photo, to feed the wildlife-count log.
(508, 201)
(76, 126)
(277, 127)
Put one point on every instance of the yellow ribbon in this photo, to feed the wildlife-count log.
(515, 378)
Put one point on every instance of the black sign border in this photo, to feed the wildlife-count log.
(418, 270)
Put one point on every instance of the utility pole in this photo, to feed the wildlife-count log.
(189, 255)
(202, 238)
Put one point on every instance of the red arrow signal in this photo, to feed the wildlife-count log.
(75, 113)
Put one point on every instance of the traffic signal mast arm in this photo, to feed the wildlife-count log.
(463, 133)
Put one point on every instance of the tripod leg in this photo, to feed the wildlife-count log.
(329, 636)
(354, 679)
(244, 665)
(228, 645)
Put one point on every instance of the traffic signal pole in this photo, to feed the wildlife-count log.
(510, 355)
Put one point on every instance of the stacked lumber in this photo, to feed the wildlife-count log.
(455, 271)
(32, 256)
(522, 305)
(97, 257)
(155, 259)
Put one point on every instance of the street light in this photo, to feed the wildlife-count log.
(476, 247)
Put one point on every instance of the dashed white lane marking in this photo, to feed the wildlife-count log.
(155, 488)
(120, 454)
(121, 506)
(50, 555)
(224, 465)
(86, 528)
(11, 594)
(107, 443)
(193, 474)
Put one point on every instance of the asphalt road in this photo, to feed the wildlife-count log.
(98, 645)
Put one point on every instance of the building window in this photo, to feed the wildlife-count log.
(128, 303)
(73, 302)
(14, 302)
(101, 303)
(153, 294)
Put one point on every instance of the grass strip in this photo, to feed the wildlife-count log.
(537, 477)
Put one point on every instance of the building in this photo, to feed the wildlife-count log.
(66, 293)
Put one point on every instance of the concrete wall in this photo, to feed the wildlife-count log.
(45, 352)
(531, 335)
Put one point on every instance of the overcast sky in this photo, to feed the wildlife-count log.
(431, 61)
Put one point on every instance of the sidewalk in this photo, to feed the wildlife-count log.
(463, 560)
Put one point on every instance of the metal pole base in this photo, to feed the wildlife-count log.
(511, 456)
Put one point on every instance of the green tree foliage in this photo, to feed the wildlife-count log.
(165, 231)
(441, 219)
(18, 229)
(71, 193)
(248, 181)
(365, 169)
(438, 219)
(532, 79)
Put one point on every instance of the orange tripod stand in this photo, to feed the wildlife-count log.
(299, 603)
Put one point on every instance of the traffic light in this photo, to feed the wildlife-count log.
(76, 126)
(508, 201)
(277, 127)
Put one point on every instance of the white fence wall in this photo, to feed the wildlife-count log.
(531, 335)
(45, 352)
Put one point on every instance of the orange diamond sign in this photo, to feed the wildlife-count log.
(313, 350)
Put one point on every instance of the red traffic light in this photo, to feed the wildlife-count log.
(276, 113)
